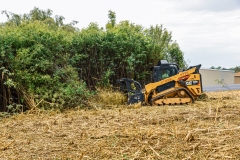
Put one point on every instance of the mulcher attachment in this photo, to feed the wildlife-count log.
(132, 89)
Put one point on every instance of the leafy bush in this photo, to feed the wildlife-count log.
(49, 64)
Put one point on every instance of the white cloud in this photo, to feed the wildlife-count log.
(205, 5)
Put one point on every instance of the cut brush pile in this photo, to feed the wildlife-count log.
(208, 129)
(108, 98)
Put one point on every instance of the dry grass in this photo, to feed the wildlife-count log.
(108, 98)
(208, 129)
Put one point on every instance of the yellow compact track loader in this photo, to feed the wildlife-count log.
(169, 86)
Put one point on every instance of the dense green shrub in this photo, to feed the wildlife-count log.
(37, 55)
(47, 63)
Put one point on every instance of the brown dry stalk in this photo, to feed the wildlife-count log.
(121, 132)
(6, 146)
(154, 151)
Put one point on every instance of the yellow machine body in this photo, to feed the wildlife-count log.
(180, 87)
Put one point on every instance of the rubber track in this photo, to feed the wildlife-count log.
(162, 95)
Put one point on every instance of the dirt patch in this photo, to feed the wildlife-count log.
(208, 129)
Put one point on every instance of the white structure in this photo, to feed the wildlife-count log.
(216, 77)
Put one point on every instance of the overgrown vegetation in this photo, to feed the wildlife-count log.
(46, 63)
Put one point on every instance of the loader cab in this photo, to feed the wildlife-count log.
(163, 70)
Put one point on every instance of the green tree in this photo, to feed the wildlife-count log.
(175, 55)
(236, 69)
(159, 39)
(35, 63)
(53, 62)
(37, 14)
(112, 19)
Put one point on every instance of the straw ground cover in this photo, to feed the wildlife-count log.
(207, 129)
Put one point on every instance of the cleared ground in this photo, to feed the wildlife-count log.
(207, 129)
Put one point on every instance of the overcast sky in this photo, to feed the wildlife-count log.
(207, 31)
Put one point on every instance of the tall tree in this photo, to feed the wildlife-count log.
(112, 19)
(175, 55)
(159, 39)
(53, 61)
